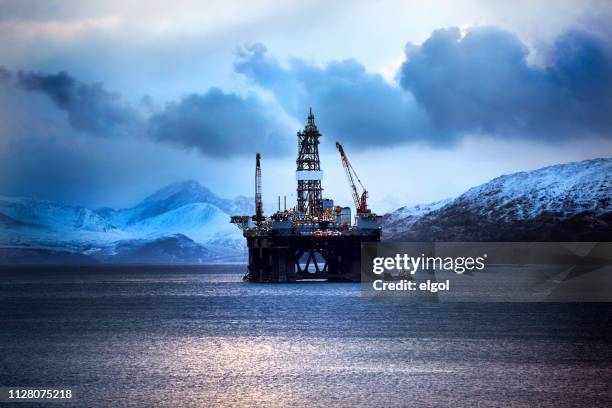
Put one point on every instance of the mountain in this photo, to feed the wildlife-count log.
(402, 219)
(172, 249)
(184, 222)
(47, 214)
(176, 196)
(566, 202)
(187, 223)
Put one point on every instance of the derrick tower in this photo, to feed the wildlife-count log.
(309, 174)
(258, 204)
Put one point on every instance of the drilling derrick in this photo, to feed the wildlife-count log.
(309, 174)
(258, 203)
(316, 239)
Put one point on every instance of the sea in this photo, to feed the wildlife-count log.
(198, 336)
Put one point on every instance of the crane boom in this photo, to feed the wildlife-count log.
(360, 200)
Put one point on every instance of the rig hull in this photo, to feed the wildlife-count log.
(291, 258)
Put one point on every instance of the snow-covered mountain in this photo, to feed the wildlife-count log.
(402, 219)
(185, 221)
(47, 214)
(566, 202)
(175, 196)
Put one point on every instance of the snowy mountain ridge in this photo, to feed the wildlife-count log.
(184, 214)
(563, 188)
(570, 201)
(403, 218)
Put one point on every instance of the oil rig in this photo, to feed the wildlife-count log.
(315, 239)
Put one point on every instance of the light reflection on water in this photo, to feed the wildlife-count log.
(201, 337)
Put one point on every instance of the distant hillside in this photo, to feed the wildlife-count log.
(566, 202)
(184, 222)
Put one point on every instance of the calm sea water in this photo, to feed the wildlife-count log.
(198, 336)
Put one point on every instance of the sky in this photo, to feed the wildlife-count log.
(103, 102)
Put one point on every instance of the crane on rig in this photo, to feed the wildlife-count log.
(360, 200)
(258, 217)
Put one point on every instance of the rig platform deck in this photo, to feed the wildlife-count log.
(290, 258)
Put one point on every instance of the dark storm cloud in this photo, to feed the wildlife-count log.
(40, 153)
(351, 104)
(221, 124)
(452, 86)
(90, 108)
(215, 123)
(483, 83)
